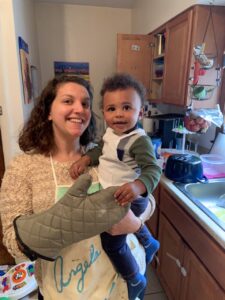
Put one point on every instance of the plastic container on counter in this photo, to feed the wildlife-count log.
(157, 143)
(213, 165)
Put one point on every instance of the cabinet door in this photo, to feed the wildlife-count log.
(170, 258)
(198, 283)
(153, 222)
(134, 56)
(177, 59)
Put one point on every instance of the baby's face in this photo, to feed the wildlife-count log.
(122, 109)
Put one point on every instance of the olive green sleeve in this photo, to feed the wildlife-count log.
(95, 153)
(142, 151)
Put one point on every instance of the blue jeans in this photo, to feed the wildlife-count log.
(117, 248)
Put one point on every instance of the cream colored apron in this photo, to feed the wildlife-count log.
(83, 271)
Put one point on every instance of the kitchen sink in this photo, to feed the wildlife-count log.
(209, 197)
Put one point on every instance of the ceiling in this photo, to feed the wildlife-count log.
(107, 3)
(119, 3)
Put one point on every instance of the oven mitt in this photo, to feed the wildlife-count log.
(75, 217)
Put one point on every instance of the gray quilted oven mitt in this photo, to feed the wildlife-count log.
(75, 217)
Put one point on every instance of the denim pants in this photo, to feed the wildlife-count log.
(117, 248)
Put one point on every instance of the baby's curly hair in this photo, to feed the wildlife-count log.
(37, 134)
(123, 81)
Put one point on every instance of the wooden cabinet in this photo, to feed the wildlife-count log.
(196, 282)
(170, 257)
(174, 60)
(186, 270)
(134, 55)
(167, 68)
(177, 58)
(153, 222)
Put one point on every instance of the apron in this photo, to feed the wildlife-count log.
(83, 271)
(60, 190)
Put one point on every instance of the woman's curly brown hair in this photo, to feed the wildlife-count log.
(37, 134)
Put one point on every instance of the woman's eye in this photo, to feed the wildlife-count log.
(86, 104)
(67, 101)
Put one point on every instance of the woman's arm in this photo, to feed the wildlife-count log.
(130, 223)
(15, 200)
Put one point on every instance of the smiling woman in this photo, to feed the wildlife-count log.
(59, 131)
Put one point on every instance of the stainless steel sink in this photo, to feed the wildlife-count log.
(209, 197)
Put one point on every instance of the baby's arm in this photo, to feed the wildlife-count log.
(128, 192)
(91, 158)
(79, 166)
(150, 172)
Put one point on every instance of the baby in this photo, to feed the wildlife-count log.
(125, 158)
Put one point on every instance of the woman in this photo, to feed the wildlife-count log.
(59, 130)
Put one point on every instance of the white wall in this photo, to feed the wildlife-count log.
(10, 92)
(75, 33)
(147, 15)
(16, 19)
(25, 27)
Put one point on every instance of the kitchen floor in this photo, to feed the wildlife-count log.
(154, 289)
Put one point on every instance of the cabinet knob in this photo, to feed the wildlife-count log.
(183, 271)
(174, 258)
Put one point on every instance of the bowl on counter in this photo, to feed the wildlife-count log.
(167, 152)
(185, 168)
(213, 165)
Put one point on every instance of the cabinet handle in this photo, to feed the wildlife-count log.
(183, 271)
(174, 258)
(157, 260)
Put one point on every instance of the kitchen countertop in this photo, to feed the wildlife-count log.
(208, 224)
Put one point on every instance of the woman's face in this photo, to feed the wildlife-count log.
(70, 111)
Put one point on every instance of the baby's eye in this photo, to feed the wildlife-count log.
(126, 107)
(110, 109)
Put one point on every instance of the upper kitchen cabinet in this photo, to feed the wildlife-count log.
(177, 59)
(201, 25)
(134, 55)
(168, 67)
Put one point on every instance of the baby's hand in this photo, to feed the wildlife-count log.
(127, 193)
(79, 167)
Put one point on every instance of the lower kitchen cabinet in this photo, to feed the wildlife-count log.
(185, 269)
(170, 256)
(152, 223)
(198, 283)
